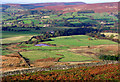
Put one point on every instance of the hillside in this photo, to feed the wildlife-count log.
(98, 8)
(38, 5)
(68, 6)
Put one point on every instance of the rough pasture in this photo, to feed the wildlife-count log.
(104, 72)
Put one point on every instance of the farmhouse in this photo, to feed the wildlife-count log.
(46, 25)
(45, 17)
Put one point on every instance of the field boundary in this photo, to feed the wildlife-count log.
(60, 67)
(24, 59)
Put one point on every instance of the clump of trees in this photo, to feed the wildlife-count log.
(97, 35)
(44, 37)
(108, 57)
(86, 11)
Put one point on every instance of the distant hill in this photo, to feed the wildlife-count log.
(66, 6)
(98, 7)
(37, 5)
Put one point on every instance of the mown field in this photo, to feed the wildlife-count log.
(62, 44)
(10, 34)
(106, 72)
(14, 37)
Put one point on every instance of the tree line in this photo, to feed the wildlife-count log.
(67, 32)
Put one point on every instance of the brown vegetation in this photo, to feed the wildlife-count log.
(12, 61)
(95, 51)
(98, 8)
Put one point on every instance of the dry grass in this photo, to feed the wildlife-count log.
(15, 39)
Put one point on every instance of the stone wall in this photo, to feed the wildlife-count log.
(60, 67)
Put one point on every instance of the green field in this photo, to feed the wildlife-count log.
(14, 37)
(62, 44)
(78, 40)
(66, 42)
(41, 54)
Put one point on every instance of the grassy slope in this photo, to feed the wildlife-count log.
(78, 40)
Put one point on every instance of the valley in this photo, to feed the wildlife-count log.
(45, 35)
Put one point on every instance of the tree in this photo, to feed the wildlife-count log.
(56, 33)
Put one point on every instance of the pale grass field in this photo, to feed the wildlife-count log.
(15, 39)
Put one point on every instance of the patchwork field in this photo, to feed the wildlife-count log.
(63, 47)
(61, 50)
